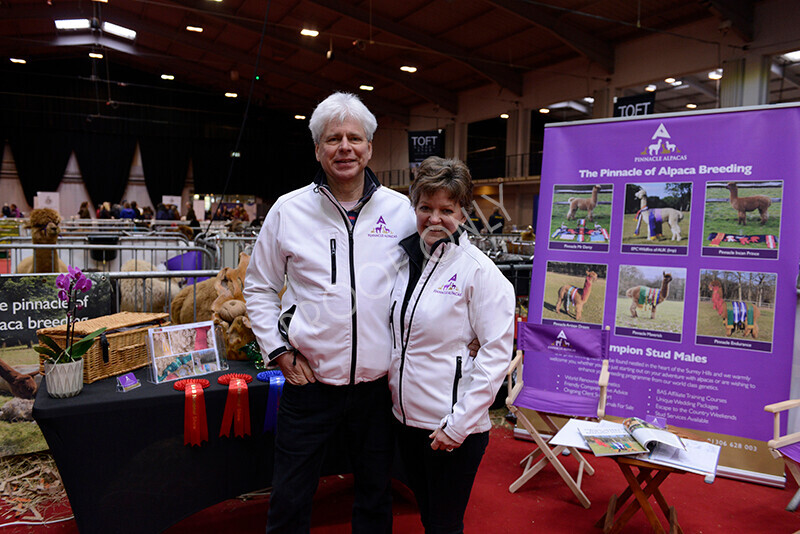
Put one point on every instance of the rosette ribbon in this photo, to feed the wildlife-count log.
(275, 379)
(237, 406)
(195, 422)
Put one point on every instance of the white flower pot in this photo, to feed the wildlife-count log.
(64, 379)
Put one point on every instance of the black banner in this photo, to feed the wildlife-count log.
(28, 303)
(632, 106)
(424, 144)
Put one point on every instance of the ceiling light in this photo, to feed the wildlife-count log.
(95, 55)
(650, 88)
(588, 99)
(17, 60)
(231, 95)
(119, 31)
(676, 83)
(504, 115)
(196, 29)
(715, 74)
(691, 106)
(406, 68)
(366, 87)
(669, 80)
(794, 57)
(72, 24)
(300, 117)
(544, 110)
(101, 1)
(167, 77)
(309, 33)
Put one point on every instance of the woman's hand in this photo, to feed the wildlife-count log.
(442, 442)
(295, 368)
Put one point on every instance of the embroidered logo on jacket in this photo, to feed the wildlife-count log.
(450, 288)
(381, 230)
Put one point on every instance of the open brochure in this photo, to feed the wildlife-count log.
(633, 436)
(698, 457)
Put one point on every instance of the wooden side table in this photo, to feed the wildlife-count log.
(642, 485)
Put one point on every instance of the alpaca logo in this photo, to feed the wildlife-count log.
(381, 230)
(450, 288)
(660, 148)
(561, 340)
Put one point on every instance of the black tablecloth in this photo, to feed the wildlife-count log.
(122, 458)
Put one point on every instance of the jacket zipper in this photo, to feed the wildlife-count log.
(407, 335)
(391, 324)
(333, 261)
(456, 378)
(353, 315)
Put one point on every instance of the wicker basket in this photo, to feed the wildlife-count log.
(126, 347)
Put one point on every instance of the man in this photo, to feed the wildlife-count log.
(335, 243)
(496, 222)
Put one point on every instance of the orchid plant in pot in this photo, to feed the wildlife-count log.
(63, 366)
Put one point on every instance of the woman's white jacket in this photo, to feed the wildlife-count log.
(460, 295)
(339, 279)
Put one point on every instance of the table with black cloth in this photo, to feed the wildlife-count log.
(123, 461)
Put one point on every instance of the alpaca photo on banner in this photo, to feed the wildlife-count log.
(581, 213)
(657, 213)
(575, 292)
(736, 304)
(651, 298)
(743, 215)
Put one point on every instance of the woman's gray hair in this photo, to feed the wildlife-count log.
(336, 109)
(435, 174)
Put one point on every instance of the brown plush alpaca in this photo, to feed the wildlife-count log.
(588, 204)
(21, 385)
(182, 309)
(719, 305)
(577, 296)
(745, 204)
(643, 296)
(207, 292)
(44, 230)
(230, 311)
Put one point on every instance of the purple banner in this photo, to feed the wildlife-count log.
(667, 231)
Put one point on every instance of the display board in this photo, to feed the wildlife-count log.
(674, 232)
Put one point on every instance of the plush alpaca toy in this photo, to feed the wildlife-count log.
(44, 230)
(183, 304)
(230, 311)
(219, 299)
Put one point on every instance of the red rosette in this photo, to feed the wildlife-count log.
(180, 385)
(237, 405)
(225, 379)
(195, 424)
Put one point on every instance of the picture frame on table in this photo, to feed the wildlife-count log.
(183, 351)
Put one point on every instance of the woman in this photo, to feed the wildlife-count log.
(83, 211)
(447, 293)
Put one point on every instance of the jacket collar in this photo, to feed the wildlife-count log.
(371, 183)
(414, 248)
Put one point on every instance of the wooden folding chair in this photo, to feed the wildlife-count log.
(786, 447)
(537, 342)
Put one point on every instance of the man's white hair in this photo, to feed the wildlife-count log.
(336, 109)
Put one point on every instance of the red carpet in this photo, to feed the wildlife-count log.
(544, 504)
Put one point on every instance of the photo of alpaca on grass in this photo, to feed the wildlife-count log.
(651, 298)
(736, 304)
(575, 292)
(657, 213)
(581, 213)
(743, 214)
